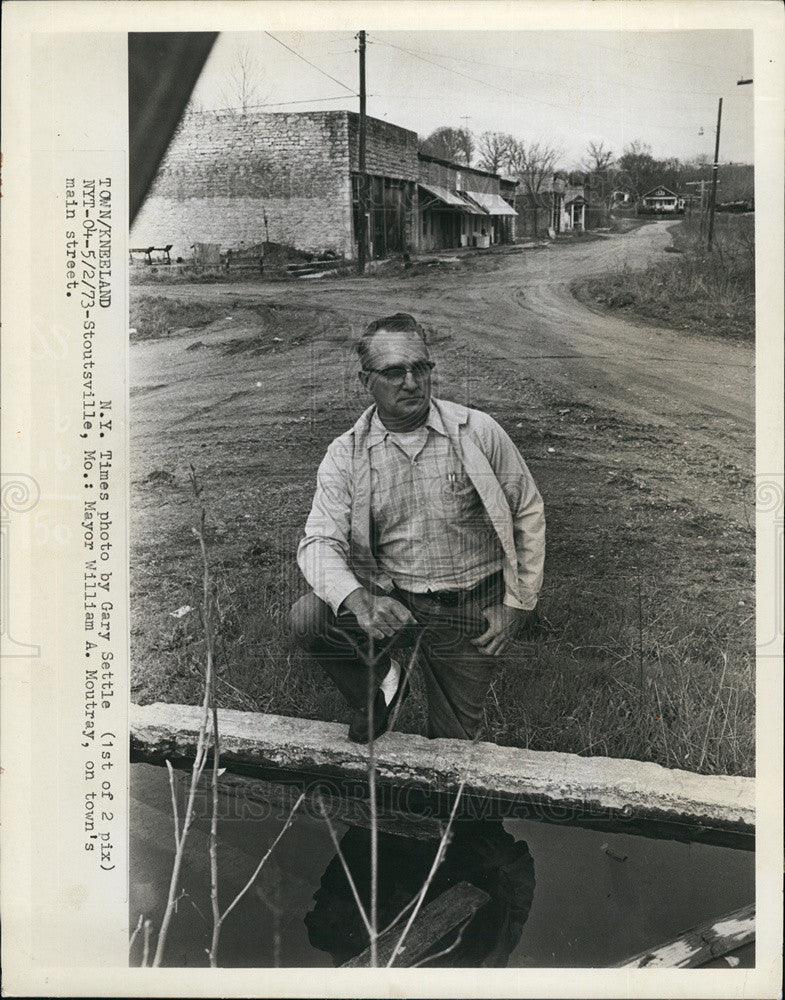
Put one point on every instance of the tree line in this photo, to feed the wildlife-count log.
(635, 171)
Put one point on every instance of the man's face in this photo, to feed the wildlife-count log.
(397, 402)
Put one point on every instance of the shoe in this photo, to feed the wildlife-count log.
(359, 730)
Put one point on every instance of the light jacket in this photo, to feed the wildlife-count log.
(336, 554)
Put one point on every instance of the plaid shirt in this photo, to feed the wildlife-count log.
(430, 529)
(339, 540)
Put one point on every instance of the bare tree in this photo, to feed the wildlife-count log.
(446, 143)
(598, 159)
(494, 148)
(603, 176)
(241, 89)
(533, 163)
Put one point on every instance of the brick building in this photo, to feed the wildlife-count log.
(240, 180)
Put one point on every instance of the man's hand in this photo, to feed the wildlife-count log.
(504, 625)
(381, 617)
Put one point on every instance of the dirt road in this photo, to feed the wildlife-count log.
(518, 307)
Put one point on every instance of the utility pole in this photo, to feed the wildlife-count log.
(362, 234)
(713, 197)
(702, 210)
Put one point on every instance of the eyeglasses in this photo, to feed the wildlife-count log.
(396, 374)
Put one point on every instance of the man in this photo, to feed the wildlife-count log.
(426, 525)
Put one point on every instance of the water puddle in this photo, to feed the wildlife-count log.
(559, 896)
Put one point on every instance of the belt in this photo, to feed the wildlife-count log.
(454, 598)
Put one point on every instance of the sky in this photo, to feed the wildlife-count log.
(566, 88)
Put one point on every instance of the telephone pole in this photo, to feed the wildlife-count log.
(713, 196)
(361, 180)
(701, 211)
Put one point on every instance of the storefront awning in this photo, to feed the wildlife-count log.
(444, 195)
(470, 205)
(493, 204)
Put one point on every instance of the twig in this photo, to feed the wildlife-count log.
(427, 884)
(640, 635)
(173, 791)
(711, 712)
(662, 724)
(342, 859)
(261, 864)
(407, 675)
(214, 835)
(148, 926)
(374, 913)
(209, 711)
(450, 948)
(200, 758)
(137, 929)
(401, 914)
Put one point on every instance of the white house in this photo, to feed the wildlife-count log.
(661, 199)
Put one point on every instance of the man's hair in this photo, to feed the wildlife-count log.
(399, 323)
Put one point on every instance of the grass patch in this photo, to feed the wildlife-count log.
(646, 646)
(265, 326)
(153, 317)
(707, 292)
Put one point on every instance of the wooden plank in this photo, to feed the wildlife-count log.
(700, 944)
(573, 786)
(445, 913)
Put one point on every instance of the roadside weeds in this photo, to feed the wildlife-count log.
(707, 292)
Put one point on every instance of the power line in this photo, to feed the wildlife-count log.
(517, 95)
(538, 72)
(459, 99)
(525, 97)
(651, 55)
(277, 104)
(313, 65)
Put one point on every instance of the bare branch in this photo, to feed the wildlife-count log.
(342, 859)
(135, 934)
(170, 769)
(446, 143)
(401, 914)
(202, 741)
(373, 916)
(408, 673)
(494, 148)
(241, 89)
(214, 831)
(450, 948)
(427, 884)
(598, 159)
(148, 927)
(262, 863)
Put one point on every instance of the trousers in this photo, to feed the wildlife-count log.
(457, 675)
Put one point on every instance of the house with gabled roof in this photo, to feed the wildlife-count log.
(662, 199)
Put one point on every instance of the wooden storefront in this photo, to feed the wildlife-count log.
(390, 206)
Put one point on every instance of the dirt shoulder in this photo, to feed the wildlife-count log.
(711, 295)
